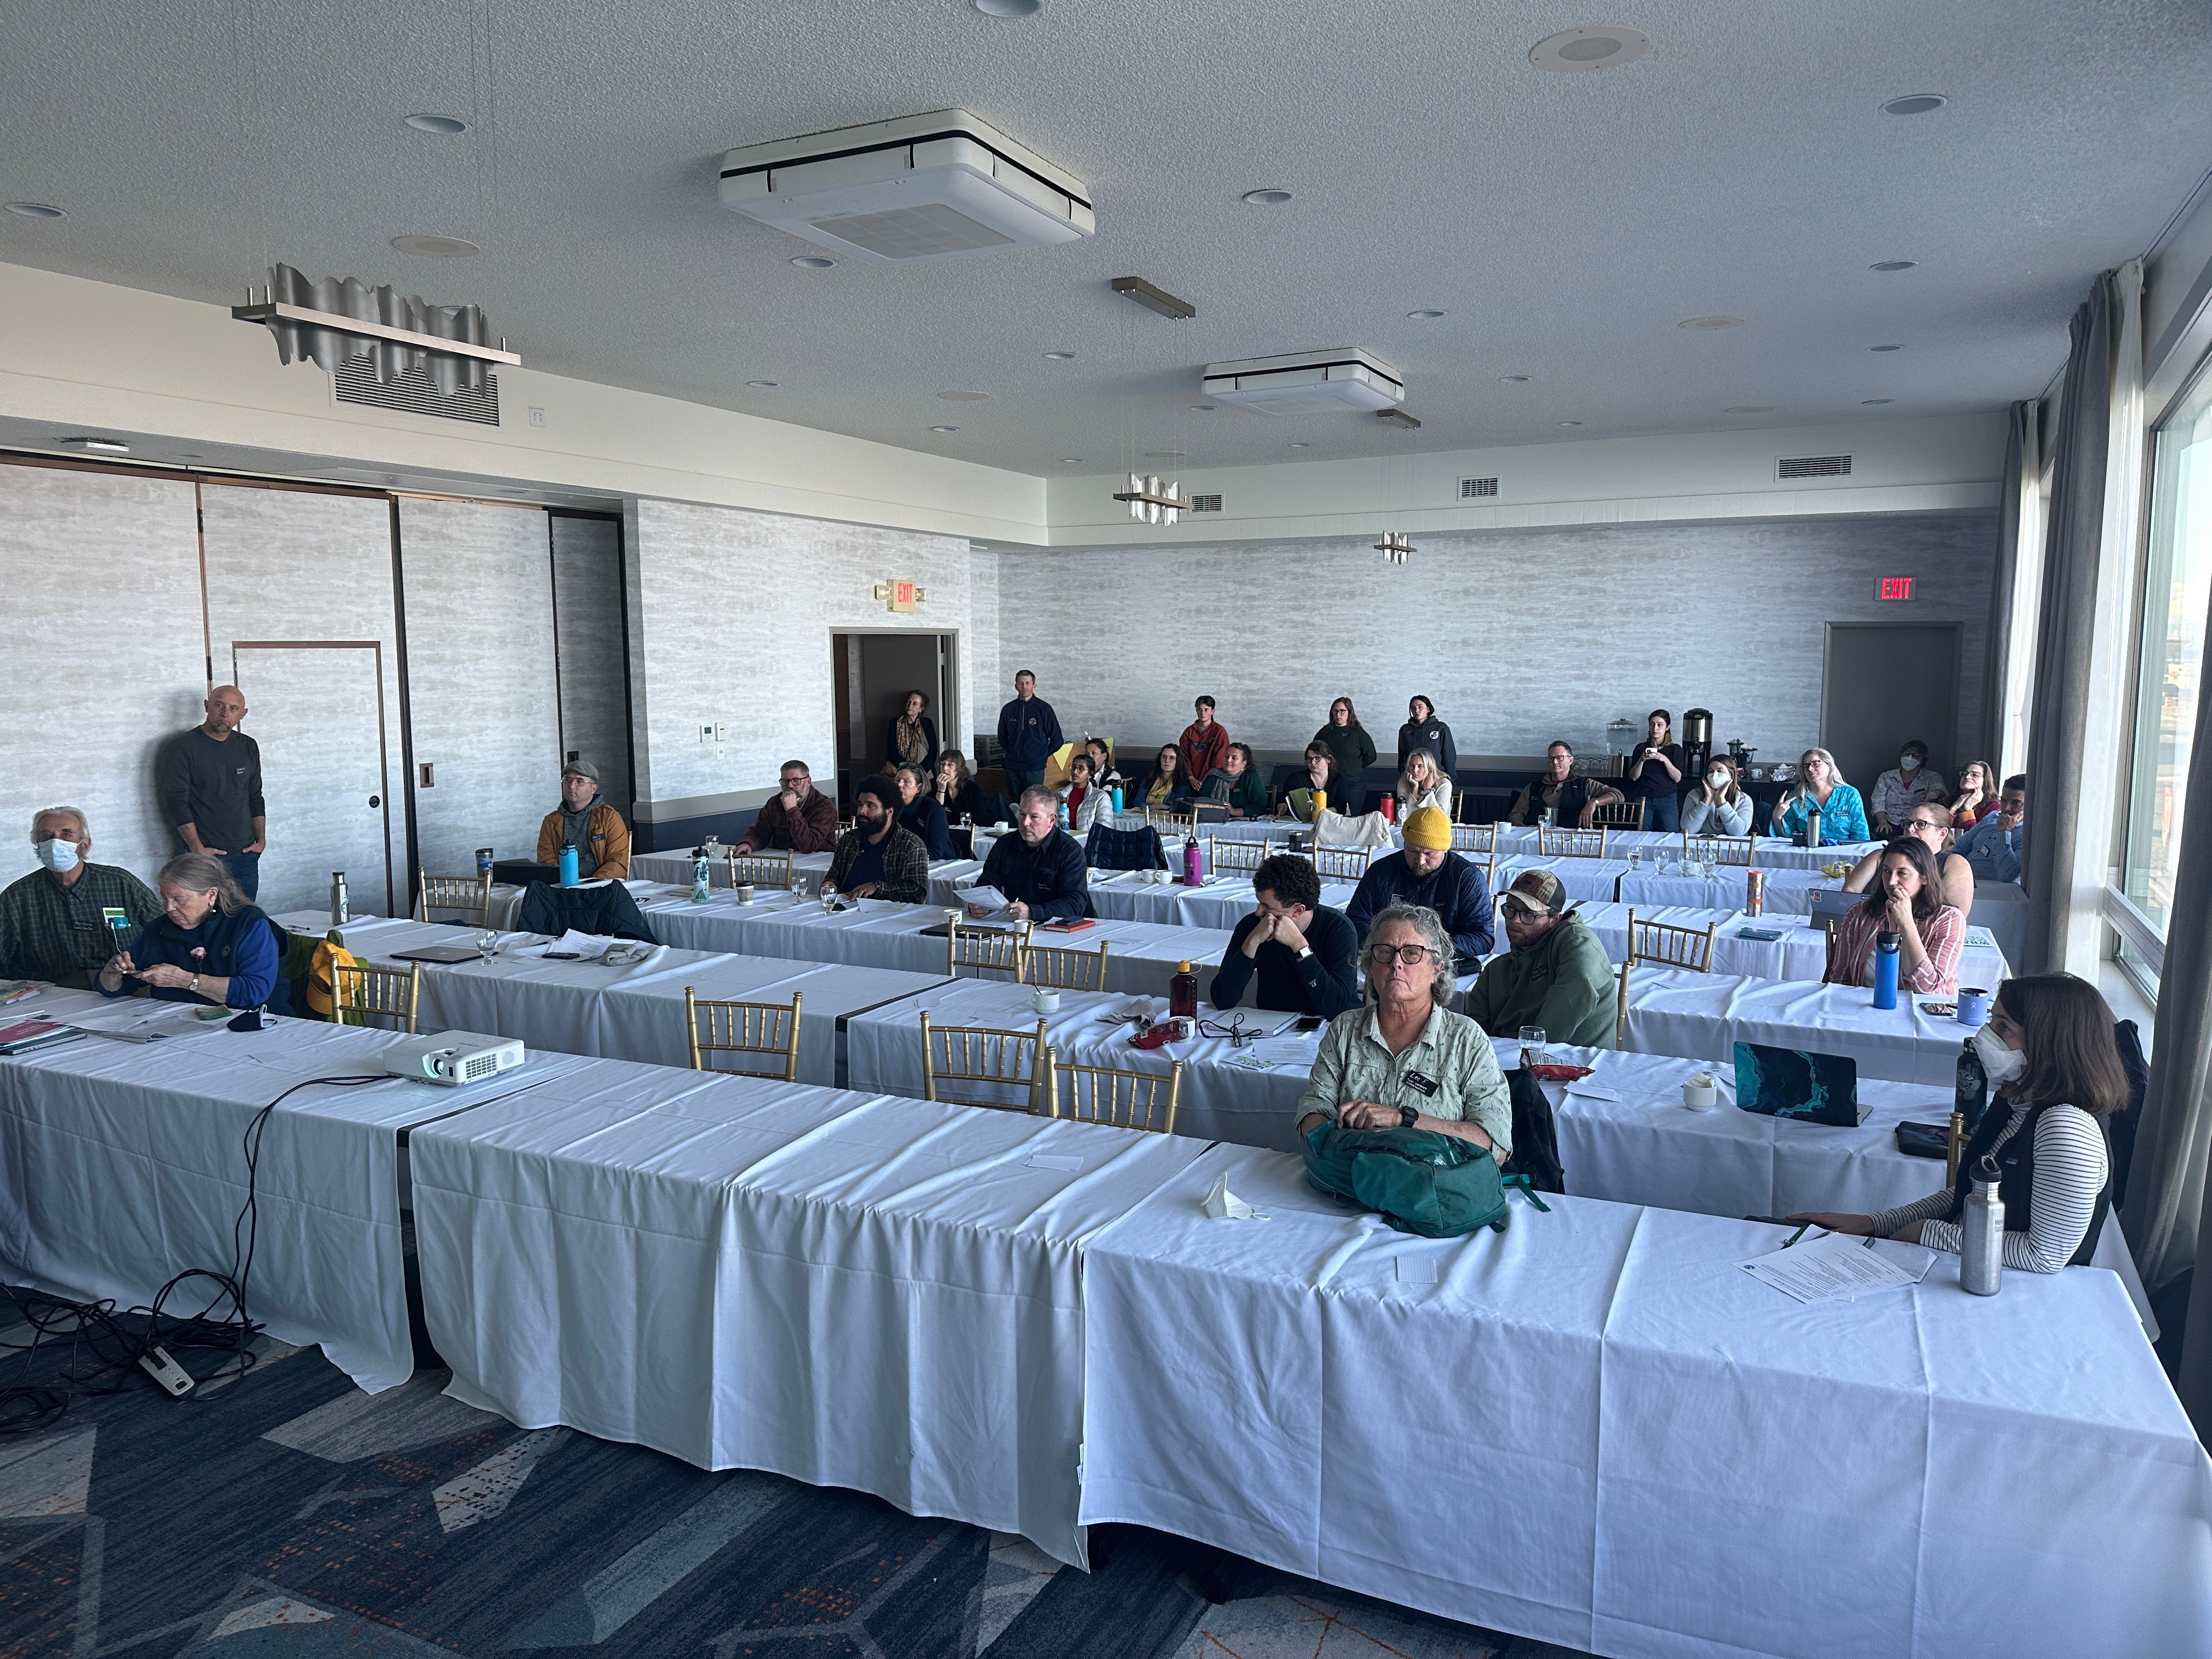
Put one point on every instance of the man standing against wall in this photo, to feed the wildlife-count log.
(209, 782)
(1029, 732)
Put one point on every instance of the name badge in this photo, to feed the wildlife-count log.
(1420, 1084)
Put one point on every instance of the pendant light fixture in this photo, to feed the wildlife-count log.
(1148, 500)
(1396, 546)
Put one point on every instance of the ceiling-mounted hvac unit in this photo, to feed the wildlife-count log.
(1345, 381)
(943, 185)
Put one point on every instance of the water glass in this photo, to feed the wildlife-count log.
(1532, 1045)
(486, 945)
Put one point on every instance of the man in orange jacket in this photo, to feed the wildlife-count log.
(587, 824)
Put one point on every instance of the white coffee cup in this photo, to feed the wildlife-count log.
(1699, 1094)
(745, 892)
(1047, 1000)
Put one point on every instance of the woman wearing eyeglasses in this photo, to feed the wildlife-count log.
(1928, 824)
(1821, 793)
(1348, 738)
(1167, 785)
(1403, 1059)
(1978, 795)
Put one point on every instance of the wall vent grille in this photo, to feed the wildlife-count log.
(1475, 488)
(413, 392)
(1813, 466)
(1205, 504)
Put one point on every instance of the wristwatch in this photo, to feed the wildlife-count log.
(1407, 1115)
(1305, 953)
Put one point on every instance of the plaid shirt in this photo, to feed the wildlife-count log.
(906, 864)
(48, 931)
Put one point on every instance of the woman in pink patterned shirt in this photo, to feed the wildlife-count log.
(1906, 898)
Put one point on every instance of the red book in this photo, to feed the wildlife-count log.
(1075, 926)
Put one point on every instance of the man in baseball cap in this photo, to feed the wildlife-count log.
(587, 824)
(1429, 873)
(1556, 976)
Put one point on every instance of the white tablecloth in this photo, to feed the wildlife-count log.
(675, 870)
(625, 1013)
(1672, 1010)
(1595, 1430)
(1220, 904)
(1588, 881)
(121, 1166)
(881, 934)
(1789, 892)
(876, 1294)
(1800, 954)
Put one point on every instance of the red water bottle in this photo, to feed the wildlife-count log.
(1183, 994)
(1389, 809)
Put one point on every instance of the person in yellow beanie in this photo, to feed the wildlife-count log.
(1429, 873)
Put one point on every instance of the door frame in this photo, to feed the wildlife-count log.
(375, 647)
(949, 725)
(1958, 667)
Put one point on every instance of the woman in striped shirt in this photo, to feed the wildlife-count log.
(2049, 1052)
(1907, 899)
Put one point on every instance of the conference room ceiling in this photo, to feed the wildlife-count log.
(1566, 224)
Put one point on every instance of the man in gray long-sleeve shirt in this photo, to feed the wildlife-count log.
(209, 783)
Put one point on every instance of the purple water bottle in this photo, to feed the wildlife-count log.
(1192, 874)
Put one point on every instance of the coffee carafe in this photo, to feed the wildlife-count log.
(1697, 742)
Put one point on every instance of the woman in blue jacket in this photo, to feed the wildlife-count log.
(210, 945)
(1821, 793)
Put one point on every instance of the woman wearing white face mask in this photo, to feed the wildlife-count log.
(2056, 1079)
(1718, 806)
(1903, 788)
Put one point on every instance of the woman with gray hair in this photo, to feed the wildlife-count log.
(1403, 1059)
(210, 945)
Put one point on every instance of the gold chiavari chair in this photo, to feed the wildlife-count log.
(1574, 843)
(470, 895)
(1106, 1094)
(770, 869)
(1223, 857)
(718, 1027)
(1619, 814)
(1342, 863)
(1667, 945)
(1474, 838)
(1063, 967)
(361, 994)
(994, 950)
(1718, 850)
(976, 1058)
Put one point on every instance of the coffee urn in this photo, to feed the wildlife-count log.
(1697, 743)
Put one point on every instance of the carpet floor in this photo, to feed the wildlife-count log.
(285, 1515)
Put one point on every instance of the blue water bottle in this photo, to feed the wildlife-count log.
(702, 881)
(1884, 969)
(568, 866)
(1117, 800)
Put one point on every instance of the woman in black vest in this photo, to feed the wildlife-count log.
(2055, 1072)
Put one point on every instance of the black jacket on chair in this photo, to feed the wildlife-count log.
(608, 911)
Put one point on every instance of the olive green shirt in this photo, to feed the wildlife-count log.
(1563, 983)
(1451, 1052)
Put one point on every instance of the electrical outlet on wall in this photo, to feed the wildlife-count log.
(720, 730)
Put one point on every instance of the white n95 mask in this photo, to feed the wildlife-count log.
(1999, 1063)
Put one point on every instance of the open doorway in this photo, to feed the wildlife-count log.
(1884, 684)
(874, 671)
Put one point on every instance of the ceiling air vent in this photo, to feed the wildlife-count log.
(1813, 466)
(1205, 504)
(356, 383)
(1471, 489)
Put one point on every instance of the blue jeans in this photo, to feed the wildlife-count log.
(246, 870)
(1663, 812)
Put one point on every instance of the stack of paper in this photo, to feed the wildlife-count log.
(1840, 1265)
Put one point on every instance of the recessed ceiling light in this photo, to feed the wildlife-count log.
(1570, 422)
(1887, 347)
(944, 429)
(1893, 264)
(965, 397)
(1071, 460)
(1164, 454)
(1749, 409)
(1600, 46)
(1426, 316)
(1060, 356)
(1515, 380)
(1266, 197)
(813, 262)
(189, 455)
(1008, 8)
(97, 446)
(1203, 408)
(1710, 322)
(1299, 446)
(37, 210)
(767, 383)
(447, 125)
(438, 247)
(1877, 400)
(1916, 103)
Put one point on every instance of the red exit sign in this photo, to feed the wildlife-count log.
(1893, 587)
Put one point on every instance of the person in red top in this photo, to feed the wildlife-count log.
(801, 817)
(1205, 741)
(1906, 899)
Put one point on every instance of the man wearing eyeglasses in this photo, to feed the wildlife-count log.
(1429, 874)
(800, 816)
(1998, 845)
(1930, 825)
(1303, 954)
(1557, 975)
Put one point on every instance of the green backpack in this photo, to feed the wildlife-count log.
(1417, 1180)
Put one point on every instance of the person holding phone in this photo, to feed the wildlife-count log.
(1655, 773)
(55, 923)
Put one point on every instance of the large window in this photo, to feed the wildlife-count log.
(2176, 596)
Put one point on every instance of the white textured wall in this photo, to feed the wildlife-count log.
(483, 697)
(734, 613)
(104, 654)
(988, 679)
(1518, 638)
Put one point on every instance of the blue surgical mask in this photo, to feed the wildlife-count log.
(56, 855)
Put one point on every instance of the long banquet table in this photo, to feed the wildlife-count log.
(1593, 1430)
(1800, 954)
(855, 1292)
(1675, 1011)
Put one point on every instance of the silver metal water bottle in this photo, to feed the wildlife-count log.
(1981, 1234)
(338, 898)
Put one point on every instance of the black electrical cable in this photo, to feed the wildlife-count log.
(115, 1350)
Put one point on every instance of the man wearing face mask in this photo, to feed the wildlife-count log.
(54, 922)
(1903, 788)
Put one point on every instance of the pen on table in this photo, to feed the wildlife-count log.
(1794, 1236)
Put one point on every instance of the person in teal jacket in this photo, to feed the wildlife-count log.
(1821, 790)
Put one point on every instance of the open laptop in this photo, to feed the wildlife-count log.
(1833, 902)
(1814, 1088)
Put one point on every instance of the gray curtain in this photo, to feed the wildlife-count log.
(2018, 444)
(2058, 710)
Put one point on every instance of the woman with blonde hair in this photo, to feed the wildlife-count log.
(1423, 783)
(1820, 792)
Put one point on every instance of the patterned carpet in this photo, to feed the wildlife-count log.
(288, 1515)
